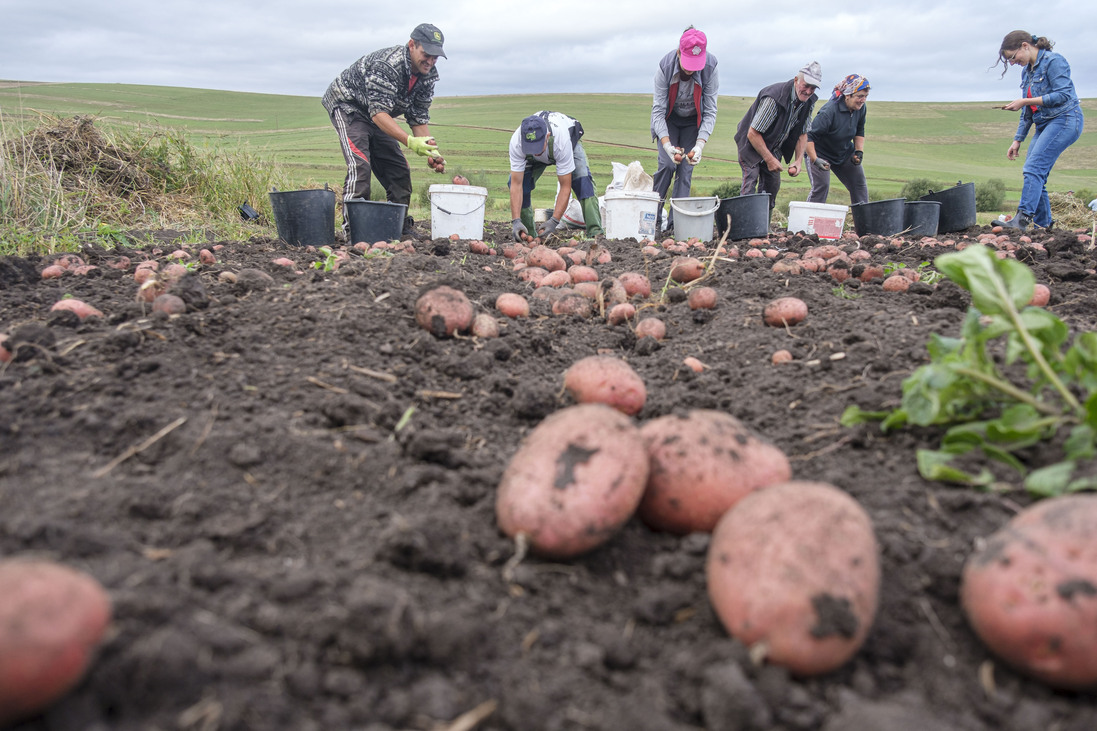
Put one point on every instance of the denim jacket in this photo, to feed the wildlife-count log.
(1050, 78)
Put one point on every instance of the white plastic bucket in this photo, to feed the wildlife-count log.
(694, 217)
(457, 209)
(630, 214)
(826, 221)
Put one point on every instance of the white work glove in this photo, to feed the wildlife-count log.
(675, 153)
(695, 153)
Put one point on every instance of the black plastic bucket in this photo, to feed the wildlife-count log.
(921, 218)
(373, 221)
(305, 217)
(957, 207)
(883, 218)
(749, 216)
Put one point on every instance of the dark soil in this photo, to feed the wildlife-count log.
(288, 492)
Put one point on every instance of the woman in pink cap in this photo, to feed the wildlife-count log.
(683, 113)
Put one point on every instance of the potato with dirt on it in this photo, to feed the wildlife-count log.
(651, 327)
(575, 480)
(572, 303)
(1030, 592)
(52, 618)
(686, 269)
(793, 572)
(785, 311)
(702, 464)
(546, 258)
(606, 380)
(443, 311)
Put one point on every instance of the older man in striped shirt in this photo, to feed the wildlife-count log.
(776, 126)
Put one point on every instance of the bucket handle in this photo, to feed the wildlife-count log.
(695, 213)
(451, 213)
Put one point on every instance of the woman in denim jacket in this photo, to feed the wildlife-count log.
(1049, 103)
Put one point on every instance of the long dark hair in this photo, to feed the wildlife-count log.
(1013, 41)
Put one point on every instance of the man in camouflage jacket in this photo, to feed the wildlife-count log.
(365, 100)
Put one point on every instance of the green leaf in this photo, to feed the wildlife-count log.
(934, 465)
(1051, 480)
(854, 415)
(1081, 443)
(996, 285)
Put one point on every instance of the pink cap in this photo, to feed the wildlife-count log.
(692, 50)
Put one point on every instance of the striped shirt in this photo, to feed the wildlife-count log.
(767, 113)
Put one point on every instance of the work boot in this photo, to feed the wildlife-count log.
(409, 226)
(1020, 222)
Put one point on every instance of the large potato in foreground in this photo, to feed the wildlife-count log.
(443, 311)
(1030, 592)
(795, 569)
(51, 619)
(574, 481)
(701, 465)
(604, 379)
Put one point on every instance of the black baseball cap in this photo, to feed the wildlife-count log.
(430, 38)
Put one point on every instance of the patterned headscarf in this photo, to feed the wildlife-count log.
(851, 84)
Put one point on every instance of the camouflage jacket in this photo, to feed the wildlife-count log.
(382, 82)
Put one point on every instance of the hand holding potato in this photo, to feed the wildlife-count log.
(437, 163)
(675, 153)
(1013, 150)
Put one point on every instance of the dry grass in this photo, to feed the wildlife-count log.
(66, 177)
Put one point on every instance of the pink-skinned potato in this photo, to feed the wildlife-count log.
(443, 310)
(1030, 592)
(793, 572)
(604, 379)
(82, 309)
(575, 480)
(52, 618)
(702, 464)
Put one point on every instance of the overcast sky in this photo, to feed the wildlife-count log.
(933, 50)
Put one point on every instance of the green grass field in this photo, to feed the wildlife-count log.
(944, 142)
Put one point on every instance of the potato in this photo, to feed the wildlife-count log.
(574, 481)
(169, 304)
(651, 327)
(604, 379)
(485, 326)
(686, 269)
(780, 356)
(512, 305)
(82, 309)
(1030, 592)
(546, 258)
(784, 311)
(1041, 295)
(443, 311)
(793, 572)
(636, 284)
(896, 283)
(583, 273)
(703, 463)
(701, 298)
(572, 303)
(51, 619)
(558, 278)
(619, 314)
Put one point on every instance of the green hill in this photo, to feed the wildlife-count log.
(943, 142)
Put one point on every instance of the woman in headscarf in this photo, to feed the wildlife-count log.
(1050, 104)
(836, 142)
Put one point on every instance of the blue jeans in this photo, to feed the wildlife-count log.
(1048, 142)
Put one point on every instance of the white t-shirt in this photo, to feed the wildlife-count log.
(560, 128)
(1093, 204)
